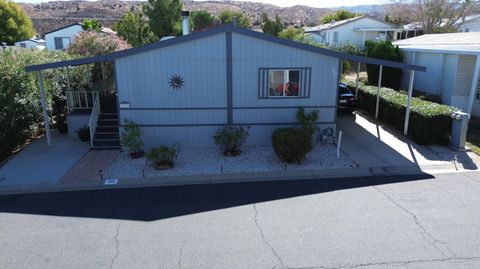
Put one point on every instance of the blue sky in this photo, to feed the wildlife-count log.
(286, 3)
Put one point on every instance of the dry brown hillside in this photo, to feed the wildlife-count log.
(52, 15)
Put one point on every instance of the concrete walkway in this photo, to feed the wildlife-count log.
(39, 163)
(372, 145)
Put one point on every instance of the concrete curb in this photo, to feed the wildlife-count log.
(231, 178)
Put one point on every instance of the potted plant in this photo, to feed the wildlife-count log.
(83, 133)
(131, 139)
(163, 157)
(230, 139)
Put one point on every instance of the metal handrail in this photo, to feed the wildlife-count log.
(80, 99)
(92, 124)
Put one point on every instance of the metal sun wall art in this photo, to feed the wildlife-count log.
(176, 82)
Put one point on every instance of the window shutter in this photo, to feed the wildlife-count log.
(263, 83)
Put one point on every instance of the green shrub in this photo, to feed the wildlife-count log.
(291, 144)
(83, 133)
(385, 50)
(21, 115)
(430, 123)
(230, 139)
(131, 139)
(163, 157)
(308, 122)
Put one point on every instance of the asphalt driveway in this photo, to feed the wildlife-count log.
(380, 222)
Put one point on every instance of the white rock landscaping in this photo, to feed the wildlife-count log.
(211, 161)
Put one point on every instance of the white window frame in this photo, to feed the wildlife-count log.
(286, 74)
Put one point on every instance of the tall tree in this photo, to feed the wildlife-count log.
(339, 15)
(272, 27)
(230, 16)
(201, 19)
(164, 17)
(134, 29)
(296, 34)
(15, 25)
(436, 16)
(91, 25)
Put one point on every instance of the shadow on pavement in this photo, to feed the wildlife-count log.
(149, 204)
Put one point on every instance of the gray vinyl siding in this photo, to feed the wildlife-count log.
(194, 113)
(143, 81)
(251, 54)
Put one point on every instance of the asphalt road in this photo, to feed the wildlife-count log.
(400, 222)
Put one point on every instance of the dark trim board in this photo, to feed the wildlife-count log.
(173, 108)
(229, 69)
(219, 108)
(61, 28)
(224, 124)
(229, 29)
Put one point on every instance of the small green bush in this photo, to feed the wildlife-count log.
(163, 157)
(430, 123)
(131, 139)
(83, 133)
(230, 139)
(291, 144)
(308, 122)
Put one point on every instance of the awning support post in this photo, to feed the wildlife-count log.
(358, 79)
(473, 89)
(409, 102)
(103, 77)
(44, 108)
(378, 90)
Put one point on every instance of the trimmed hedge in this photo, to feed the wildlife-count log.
(430, 123)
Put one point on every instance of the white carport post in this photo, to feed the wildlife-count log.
(378, 90)
(44, 108)
(358, 79)
(409, 101)
(473, 90)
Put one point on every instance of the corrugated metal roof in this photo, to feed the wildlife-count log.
(455, 42)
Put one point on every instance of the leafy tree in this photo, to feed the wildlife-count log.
(164, 17)
(134, 29)
(91, 43)
(201, 19)
(15, 25)
(272, 27)
(340, 15)
(91, 25)
(385, 50)
(229, 16)
(435, 16)
(296, 34)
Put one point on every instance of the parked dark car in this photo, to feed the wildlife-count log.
(346, 98)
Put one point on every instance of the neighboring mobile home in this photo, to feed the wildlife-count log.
(185, 88)
(471, 24)
(356, 31)
(454, 64)
(61, 38)
(31, 44)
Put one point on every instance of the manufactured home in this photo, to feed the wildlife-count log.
(33, 43)
(185, 88)
(454, 66)
(61, 38)
(355, 31)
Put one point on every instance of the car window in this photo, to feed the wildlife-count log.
(343, 90)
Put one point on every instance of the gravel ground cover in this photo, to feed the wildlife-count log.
(192, 161)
